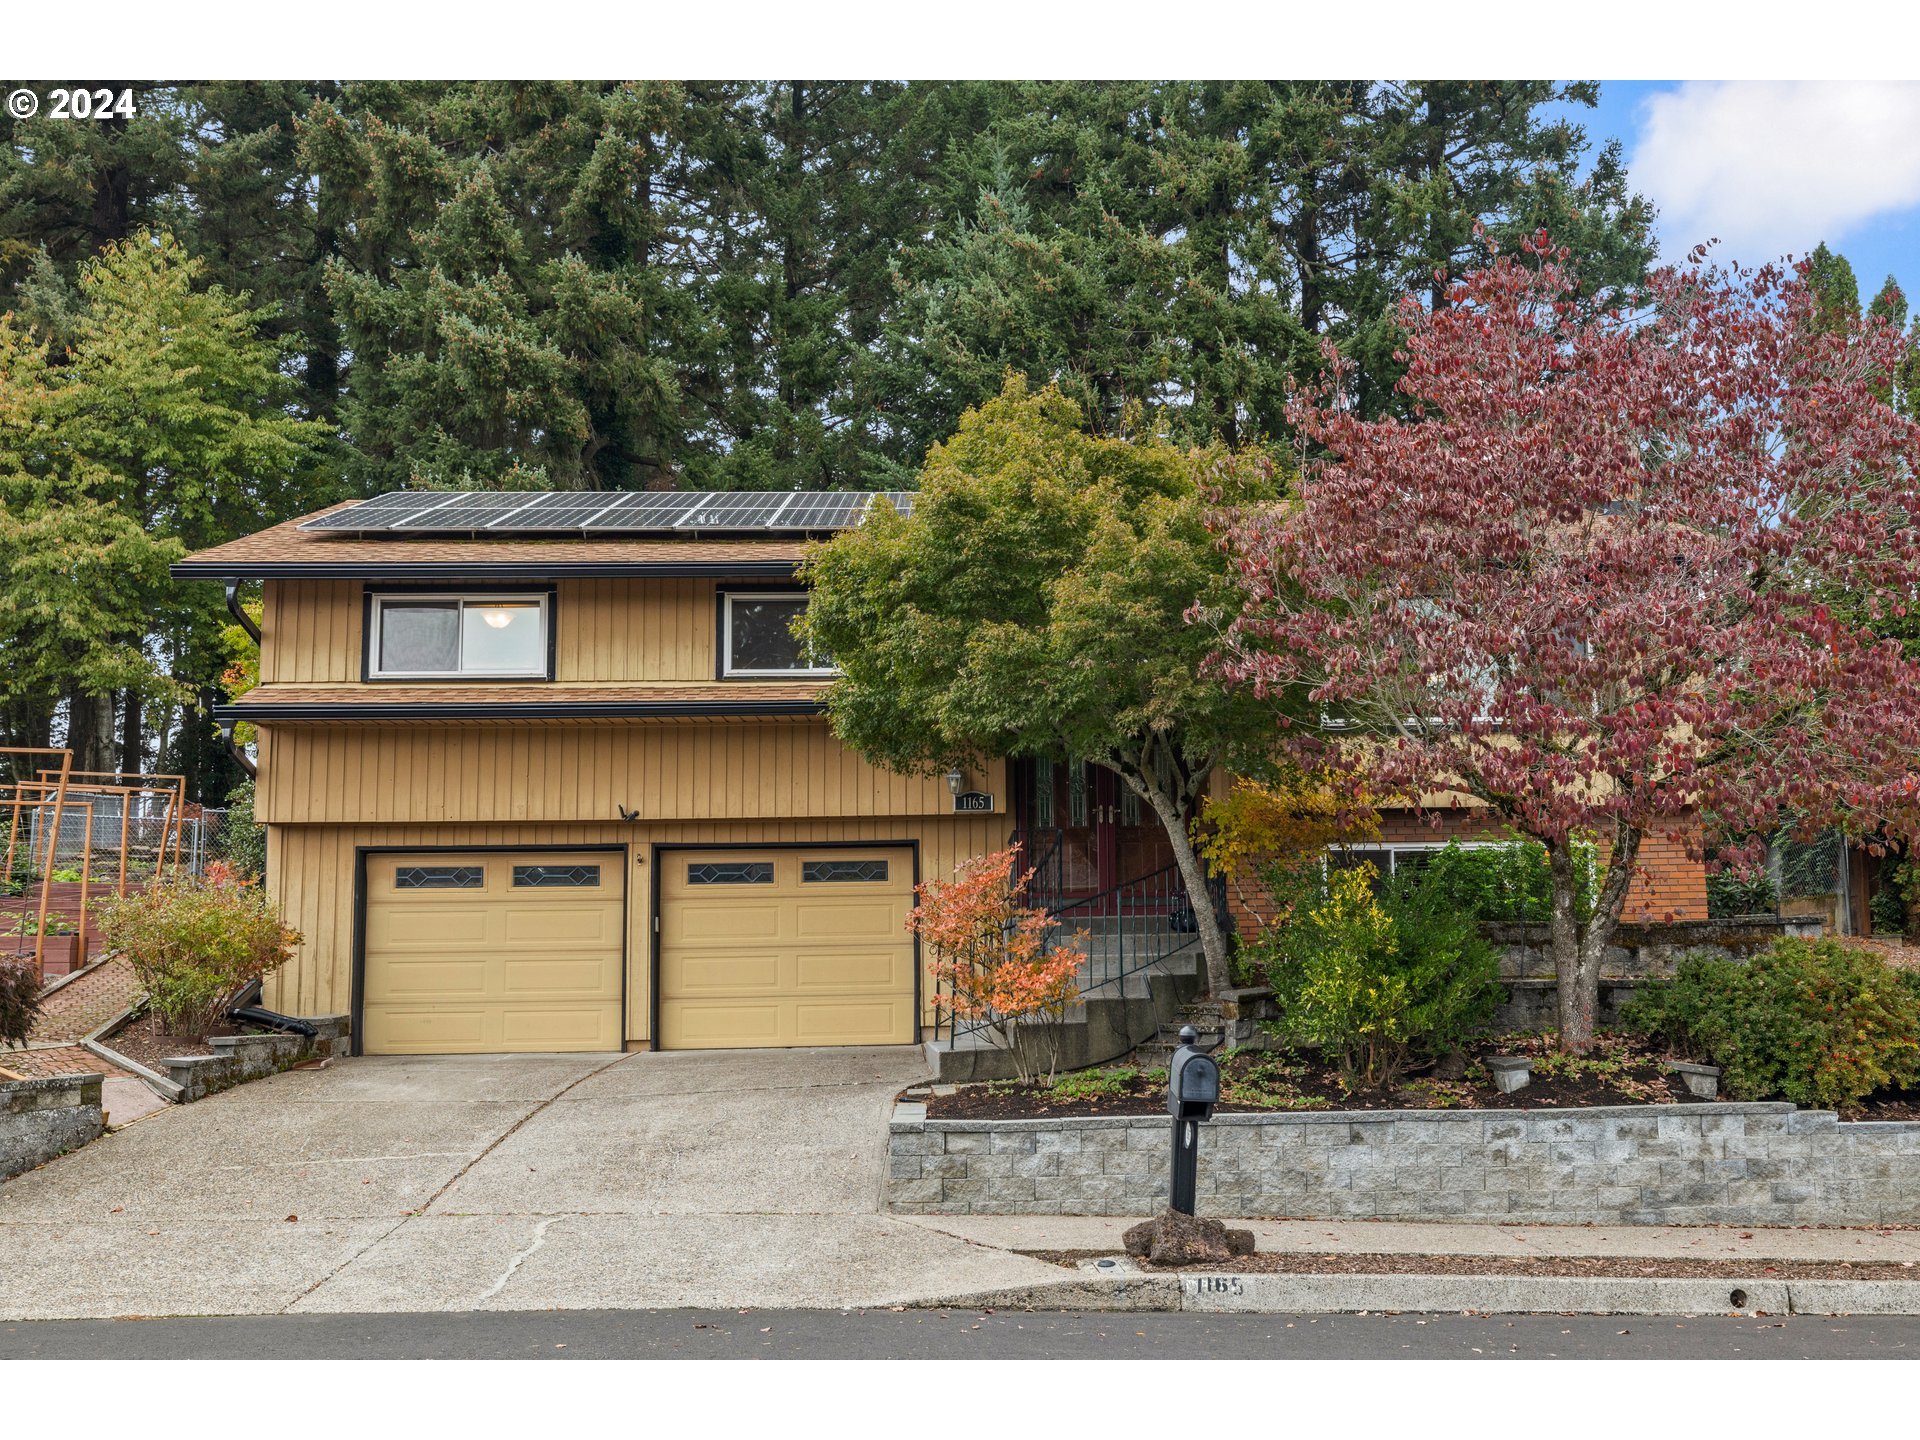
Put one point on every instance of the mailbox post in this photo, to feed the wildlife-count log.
(1193, 1089)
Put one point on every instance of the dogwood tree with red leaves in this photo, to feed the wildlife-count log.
(1586, 583)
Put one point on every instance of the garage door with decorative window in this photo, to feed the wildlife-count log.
(781, 948)
(481, 952)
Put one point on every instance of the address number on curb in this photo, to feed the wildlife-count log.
(973, 802)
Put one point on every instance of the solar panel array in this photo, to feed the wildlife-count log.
(600, 512)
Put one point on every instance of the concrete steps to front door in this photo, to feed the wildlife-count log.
(1113, 1014)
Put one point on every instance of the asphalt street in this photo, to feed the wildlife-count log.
(957, 1335)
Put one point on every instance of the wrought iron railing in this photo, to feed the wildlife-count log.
(1129, 928)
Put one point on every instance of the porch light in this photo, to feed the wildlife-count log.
(956, 781)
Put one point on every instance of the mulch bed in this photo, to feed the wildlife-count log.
(1289, 1262)
(1622, 1070)
(142, 1040)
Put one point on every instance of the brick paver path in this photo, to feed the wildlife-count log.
(82, 1006)
(56, 1060)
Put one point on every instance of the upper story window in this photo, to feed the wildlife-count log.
(757, 639)
(417, 636)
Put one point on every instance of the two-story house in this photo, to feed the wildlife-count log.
(551, 772)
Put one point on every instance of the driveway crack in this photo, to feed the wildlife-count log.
(493, 1145)
(514, 1129)
(539, 1239)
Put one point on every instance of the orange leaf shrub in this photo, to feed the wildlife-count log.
(996, 961)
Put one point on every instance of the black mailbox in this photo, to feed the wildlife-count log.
(1193, 1089)
(1193, 1081)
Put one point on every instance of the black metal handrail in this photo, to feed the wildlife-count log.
(1130, 928)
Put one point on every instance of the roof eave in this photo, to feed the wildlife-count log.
(505, 570)
(516, 710)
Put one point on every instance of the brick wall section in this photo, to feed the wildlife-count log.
(1699, 1164)
(42, 1118)
(1668, 885)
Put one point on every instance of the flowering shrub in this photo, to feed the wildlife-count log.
(1377, 978)
(992, 957)
(1815, 1022)
(193, 943)
(19, 1001)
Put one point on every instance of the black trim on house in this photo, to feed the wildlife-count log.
(520, 710)
(468, 572)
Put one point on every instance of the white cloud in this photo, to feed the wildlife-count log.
(1772, 167)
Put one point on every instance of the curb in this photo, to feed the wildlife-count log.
(159, 1084)
(1270, 1294)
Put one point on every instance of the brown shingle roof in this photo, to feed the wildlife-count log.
(288, 552)
(523, 702)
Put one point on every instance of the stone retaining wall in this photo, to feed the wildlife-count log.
(1687, 1164)
(1638, 952)
(42, 1118)
(237, 1059)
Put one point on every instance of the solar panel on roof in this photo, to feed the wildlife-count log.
(631, 512)
(823, 510)
(381, 511)
(467, 512)
(553, 510)
(737, 510)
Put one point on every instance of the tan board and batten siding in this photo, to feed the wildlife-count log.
(605, 630)
(328, 790)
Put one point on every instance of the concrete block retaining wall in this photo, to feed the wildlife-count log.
(1638, 952)
(42, 1118)
(1744, 1164)
(237, 1059)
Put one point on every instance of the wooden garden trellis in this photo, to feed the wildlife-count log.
(56, 791)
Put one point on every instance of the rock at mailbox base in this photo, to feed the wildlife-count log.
(1171, 1238)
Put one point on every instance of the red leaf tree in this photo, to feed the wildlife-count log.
(1595, 580)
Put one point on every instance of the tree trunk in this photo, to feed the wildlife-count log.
(132, 742)
(90, 730)
(1579, 948)
(1213, 938)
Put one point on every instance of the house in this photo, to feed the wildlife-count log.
(551, 772)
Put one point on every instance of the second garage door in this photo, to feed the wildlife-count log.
(493, 951)
(779, 948)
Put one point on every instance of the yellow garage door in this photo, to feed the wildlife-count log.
(492, 951)
(785, 947)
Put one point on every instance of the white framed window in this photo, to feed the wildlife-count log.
(418, 636)
(1400, 857)
(757, 639)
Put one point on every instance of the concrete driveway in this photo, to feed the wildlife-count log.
(740, 1178)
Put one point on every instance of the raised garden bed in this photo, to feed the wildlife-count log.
(1622, 1070)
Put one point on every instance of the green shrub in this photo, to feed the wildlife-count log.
(193, 943)
(1092, 1084)
(1379, 978)
(19, 1001)
(1732, 892)
(243, 843)
(1502, 882)
(1815, 1022)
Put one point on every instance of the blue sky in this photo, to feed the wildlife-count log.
(1770, 167)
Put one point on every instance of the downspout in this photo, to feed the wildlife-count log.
(245, 621)
(239, 614)
(239, 755)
